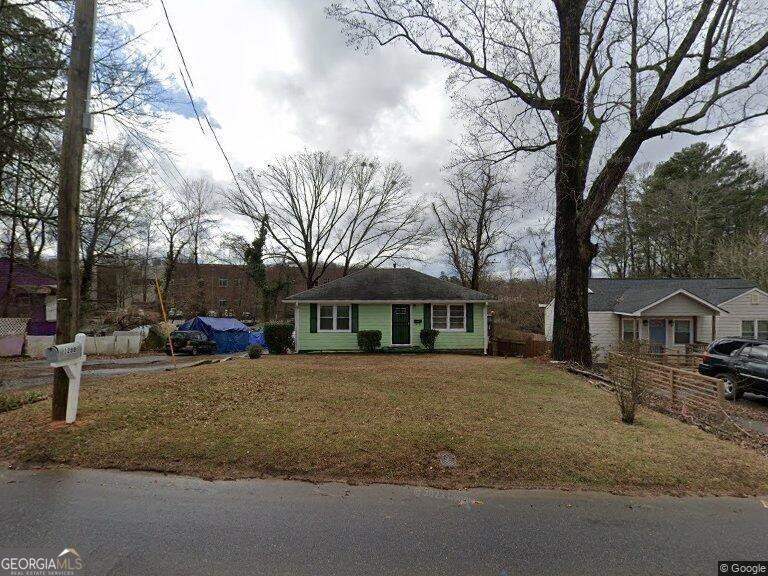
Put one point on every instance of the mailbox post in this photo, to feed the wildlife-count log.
(70, 357)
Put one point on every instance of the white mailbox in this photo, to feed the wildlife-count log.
(69, 356)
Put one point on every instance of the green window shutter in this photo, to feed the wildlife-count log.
(427, 322)
(313, 318)
(470, 317)
(354, 317)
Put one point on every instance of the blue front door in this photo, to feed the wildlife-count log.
(657, 333)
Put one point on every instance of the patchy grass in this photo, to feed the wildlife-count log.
(383, 418)
(14, 401)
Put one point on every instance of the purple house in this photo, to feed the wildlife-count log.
(30, 294)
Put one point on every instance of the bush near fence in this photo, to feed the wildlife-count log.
(680, 387)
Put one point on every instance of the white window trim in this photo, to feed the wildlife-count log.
(335, 318)
(757, 327)
(635, 329)
(448, 318)
(754, 327)
(223, 282)
(690, 332)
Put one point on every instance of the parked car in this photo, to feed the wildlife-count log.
(740, 362)
(191, 342)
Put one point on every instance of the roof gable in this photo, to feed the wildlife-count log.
(389, 285)
(23, 275)
(627, 296)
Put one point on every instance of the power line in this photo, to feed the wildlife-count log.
(192, 99)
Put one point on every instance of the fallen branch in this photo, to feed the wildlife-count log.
(581, 372)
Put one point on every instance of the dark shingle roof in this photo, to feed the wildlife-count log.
(628, 296)
(389, 284)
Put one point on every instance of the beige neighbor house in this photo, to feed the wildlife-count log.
(671, 312)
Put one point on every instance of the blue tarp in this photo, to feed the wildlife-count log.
(257, 337)
(230, 335)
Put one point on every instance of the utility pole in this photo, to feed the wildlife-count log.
(76, 124)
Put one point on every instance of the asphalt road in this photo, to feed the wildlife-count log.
(25, 374)
(151, 524)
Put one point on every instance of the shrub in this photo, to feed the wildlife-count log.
(428, 337)
(279, 337)
(628, 382)
(155, 339)
(132, 317)
(255, 351)
(369, 340)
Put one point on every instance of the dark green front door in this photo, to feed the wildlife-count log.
(401, 324)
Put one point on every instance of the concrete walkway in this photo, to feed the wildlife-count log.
(122, 523)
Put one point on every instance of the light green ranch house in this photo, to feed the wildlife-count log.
(398, 301)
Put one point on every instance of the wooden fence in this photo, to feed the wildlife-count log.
(531, 346)
(681, 387)
(679, 359)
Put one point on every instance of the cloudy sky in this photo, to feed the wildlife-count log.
(277, 76)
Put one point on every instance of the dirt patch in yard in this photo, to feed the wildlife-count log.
(356, 418)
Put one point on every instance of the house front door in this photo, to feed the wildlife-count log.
(401, 324)
(657, 334)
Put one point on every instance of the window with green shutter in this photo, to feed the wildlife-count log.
(449, 317)
(470, 317)
(313, 318)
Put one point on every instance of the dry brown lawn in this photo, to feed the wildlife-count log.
(510, 423)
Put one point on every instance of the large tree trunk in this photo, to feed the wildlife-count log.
(573, 246)
(570, 336)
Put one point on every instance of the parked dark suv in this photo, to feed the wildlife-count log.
(740, 362)
(190, 342)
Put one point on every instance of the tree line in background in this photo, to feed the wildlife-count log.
(624, 73)
(701, 213)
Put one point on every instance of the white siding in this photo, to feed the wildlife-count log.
(604, 328)
(679, 305)
(739, 309)
(704, 328)
(549, 320)
(50, 308)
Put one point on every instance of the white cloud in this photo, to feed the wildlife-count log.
(278, 76)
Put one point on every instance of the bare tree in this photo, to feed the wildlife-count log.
(114, 198)
(594, 79)
(199, 201)
(475, 217)
(383, 222)
(322, 210)
(534, 253)
(173, 225)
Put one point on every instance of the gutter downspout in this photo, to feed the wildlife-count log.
(296, 325)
